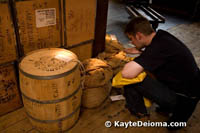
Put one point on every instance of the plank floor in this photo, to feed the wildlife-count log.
(93, 121)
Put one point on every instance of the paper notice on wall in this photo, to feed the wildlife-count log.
(45, 17)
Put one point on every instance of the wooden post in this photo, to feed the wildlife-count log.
(100, 29)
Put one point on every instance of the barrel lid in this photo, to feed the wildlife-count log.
(48, 62)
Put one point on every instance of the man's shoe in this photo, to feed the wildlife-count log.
(163, 111)
(137, 114)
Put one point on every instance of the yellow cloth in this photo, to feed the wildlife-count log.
(118, 82)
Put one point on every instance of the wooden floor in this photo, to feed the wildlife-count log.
(93, 120)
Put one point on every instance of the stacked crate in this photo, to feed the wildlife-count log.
(55, 23)
(79, 26)
(9, 92)
(38, 24)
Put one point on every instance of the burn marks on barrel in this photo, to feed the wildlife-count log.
(74, 102)
(49, 64)
(60, 125)
(55, 90)
(71, 82)
(58, 110)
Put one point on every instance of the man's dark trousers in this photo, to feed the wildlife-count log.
(180, 106)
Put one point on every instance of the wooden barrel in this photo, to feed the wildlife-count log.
(50, 86)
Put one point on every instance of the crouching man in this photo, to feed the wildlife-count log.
(176, 88)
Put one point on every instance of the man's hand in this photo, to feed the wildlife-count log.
(132, 50)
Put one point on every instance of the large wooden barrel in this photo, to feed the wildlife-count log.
(50, 86)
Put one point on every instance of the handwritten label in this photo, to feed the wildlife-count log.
(45, 17)
(80, 21)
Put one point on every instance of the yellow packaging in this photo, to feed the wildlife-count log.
(118, 82)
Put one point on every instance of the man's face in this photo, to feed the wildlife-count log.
(137, 40)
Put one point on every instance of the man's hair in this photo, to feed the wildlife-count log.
(139, 24)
